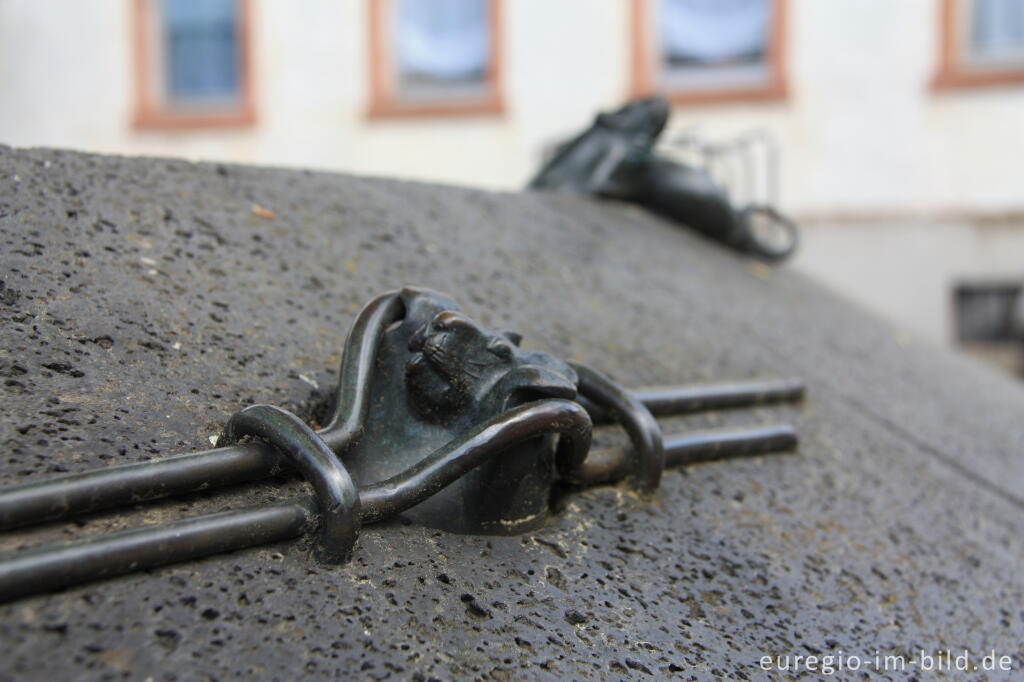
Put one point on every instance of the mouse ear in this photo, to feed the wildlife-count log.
(531, 382)
(501, 347)
(515, 337)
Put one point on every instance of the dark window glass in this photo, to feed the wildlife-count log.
(989, 312)
(200, 50)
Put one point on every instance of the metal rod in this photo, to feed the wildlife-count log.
(707, 446)
(53, 567)
(689, 398)
(612, 464)
(49, 568)
(141, 481)
(132, 483)
(701, 397)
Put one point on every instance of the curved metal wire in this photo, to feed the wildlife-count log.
(648, 452)
(352, 396)
(337, 497)
(552, 416)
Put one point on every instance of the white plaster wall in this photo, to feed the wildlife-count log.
(907, 269)
(64, 72)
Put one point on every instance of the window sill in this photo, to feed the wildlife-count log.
(173, 120)
(391, 109)
(769, 92)
(952, 79)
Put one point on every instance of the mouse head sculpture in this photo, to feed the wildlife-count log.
(419, 374)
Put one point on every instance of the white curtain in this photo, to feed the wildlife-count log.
(713, 30)
(443, 39)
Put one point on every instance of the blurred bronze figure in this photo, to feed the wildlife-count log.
(616, 158)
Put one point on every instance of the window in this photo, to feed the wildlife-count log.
(192, 62)
(708, 50)
(989, 318)
(989, 312)
(982, 43)
(435, 57)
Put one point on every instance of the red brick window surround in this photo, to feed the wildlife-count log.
(435, 58)
(706, 51)
(192, 63)
(981, 43)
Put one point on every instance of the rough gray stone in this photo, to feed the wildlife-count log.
(144, 301)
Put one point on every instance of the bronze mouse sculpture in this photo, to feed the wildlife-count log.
(616, 158)
(435, 419)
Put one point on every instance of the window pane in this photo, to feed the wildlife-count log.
(713, 31)
(989, 313)
(200, 49)
(441, 43)
(713, 44)
(996, 30)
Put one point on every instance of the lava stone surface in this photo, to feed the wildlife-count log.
(144, 301)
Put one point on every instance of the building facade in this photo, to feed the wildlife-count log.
(900, 123)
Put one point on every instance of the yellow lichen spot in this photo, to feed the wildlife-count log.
(266, 213)
(760, 270)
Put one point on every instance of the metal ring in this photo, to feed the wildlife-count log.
(643, 430)
(754, 245)
(336, 494)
